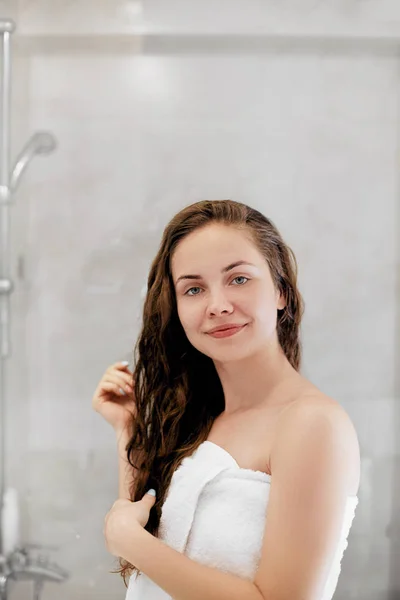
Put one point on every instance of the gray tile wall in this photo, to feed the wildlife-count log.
(306, 133)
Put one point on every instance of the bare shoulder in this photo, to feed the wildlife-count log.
(314, 403)
(313, 412)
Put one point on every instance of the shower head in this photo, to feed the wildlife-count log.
(41, 142)
(6, 26)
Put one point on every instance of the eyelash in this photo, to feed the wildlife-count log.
(197, 287)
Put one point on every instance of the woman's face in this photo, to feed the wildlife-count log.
(212, 290)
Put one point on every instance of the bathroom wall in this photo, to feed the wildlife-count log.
(291, 108)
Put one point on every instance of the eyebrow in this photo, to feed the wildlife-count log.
(224, 270)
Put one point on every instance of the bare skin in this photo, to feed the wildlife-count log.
(251, 436)
(221, 278)
(114, 397)
(248, 435)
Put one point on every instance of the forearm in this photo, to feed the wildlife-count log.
(125, 470)
(183, 578)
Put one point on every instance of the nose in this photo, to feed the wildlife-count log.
(219, 304)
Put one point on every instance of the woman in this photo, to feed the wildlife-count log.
(256, 471)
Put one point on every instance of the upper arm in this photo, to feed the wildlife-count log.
(313, 461)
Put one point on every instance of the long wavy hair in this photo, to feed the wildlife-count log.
(177, 389)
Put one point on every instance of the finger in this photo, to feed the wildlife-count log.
(125, 383)
(104, 391)
(109, 386)
(121, 366)
(127, 377)
(150, 494)
(113, 374)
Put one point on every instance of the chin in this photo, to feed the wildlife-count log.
(227, 355)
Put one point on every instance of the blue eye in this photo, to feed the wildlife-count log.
(197, 288)
(192, 288)
(240, 277)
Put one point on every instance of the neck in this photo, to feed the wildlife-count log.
(256, 381)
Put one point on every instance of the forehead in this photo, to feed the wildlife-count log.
(214, 245)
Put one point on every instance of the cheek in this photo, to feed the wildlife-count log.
(189, 314)
(262, 308)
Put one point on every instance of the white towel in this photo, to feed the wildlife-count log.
(215, 514)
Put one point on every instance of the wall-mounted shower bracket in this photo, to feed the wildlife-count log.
(6, 287)
(5, 195)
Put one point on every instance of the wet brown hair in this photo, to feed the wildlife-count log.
(177, 389)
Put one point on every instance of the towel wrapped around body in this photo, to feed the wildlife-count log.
(215, 514)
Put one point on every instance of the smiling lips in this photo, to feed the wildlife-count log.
(226, 330)
(224, 327)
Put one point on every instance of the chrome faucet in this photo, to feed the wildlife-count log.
(29, 563)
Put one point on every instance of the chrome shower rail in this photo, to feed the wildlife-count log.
(21, 563)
